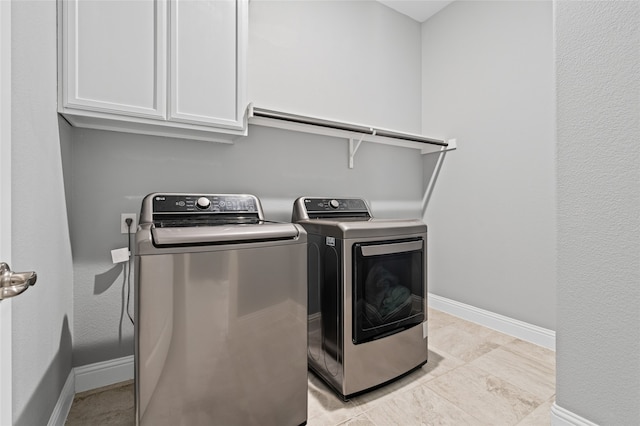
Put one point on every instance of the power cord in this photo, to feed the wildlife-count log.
(129, 221)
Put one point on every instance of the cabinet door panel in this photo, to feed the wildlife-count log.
(204, 62)
(115, 56)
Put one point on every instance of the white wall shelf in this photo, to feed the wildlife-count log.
(354, 133)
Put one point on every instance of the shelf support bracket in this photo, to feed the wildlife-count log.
(436, 171)
(353, 148)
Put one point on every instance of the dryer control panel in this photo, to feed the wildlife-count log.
(335, 204)
(317, 208)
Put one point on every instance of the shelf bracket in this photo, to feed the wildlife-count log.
(353, 148)
(452, 145)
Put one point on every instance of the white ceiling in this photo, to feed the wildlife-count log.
(419, 10)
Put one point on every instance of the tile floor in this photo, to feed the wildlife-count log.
(475, 376)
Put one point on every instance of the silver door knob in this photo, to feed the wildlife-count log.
(14, 283)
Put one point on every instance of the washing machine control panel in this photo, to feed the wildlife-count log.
(205, 203)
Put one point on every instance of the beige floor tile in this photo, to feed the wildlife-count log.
(532, 351)
(438, 319)
(463, 339)
(541, 416)
(439, 362)
(324, 407)
(488, 398)
(360, 420)
(464, 342)
(520, 370)
(420, 406)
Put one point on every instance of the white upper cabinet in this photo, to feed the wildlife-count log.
(114, 57)
(172, 68)
(201, 52)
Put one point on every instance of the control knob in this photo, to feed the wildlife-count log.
(334, 204)
(203, 203)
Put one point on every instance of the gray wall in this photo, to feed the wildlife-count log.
(42, 316)
(356, 61)
(487, 72)
(598, 89)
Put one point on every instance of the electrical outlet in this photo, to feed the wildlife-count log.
(123, 224)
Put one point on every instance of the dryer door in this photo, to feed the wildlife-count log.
(388, 287)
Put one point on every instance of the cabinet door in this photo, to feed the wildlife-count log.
(207, 56)
(114, 56)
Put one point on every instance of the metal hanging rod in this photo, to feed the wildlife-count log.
(256, 114)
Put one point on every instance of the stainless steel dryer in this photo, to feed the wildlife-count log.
(221, 308)
(367, 295)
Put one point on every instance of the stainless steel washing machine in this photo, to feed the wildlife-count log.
(367, 295)
(221, 313)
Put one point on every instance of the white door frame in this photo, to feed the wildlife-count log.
(6, 414)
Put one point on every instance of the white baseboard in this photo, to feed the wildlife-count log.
(563, 417)
(61, 410)
(105, 373)
(522, 330)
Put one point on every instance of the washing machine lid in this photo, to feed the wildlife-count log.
(232, 234)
